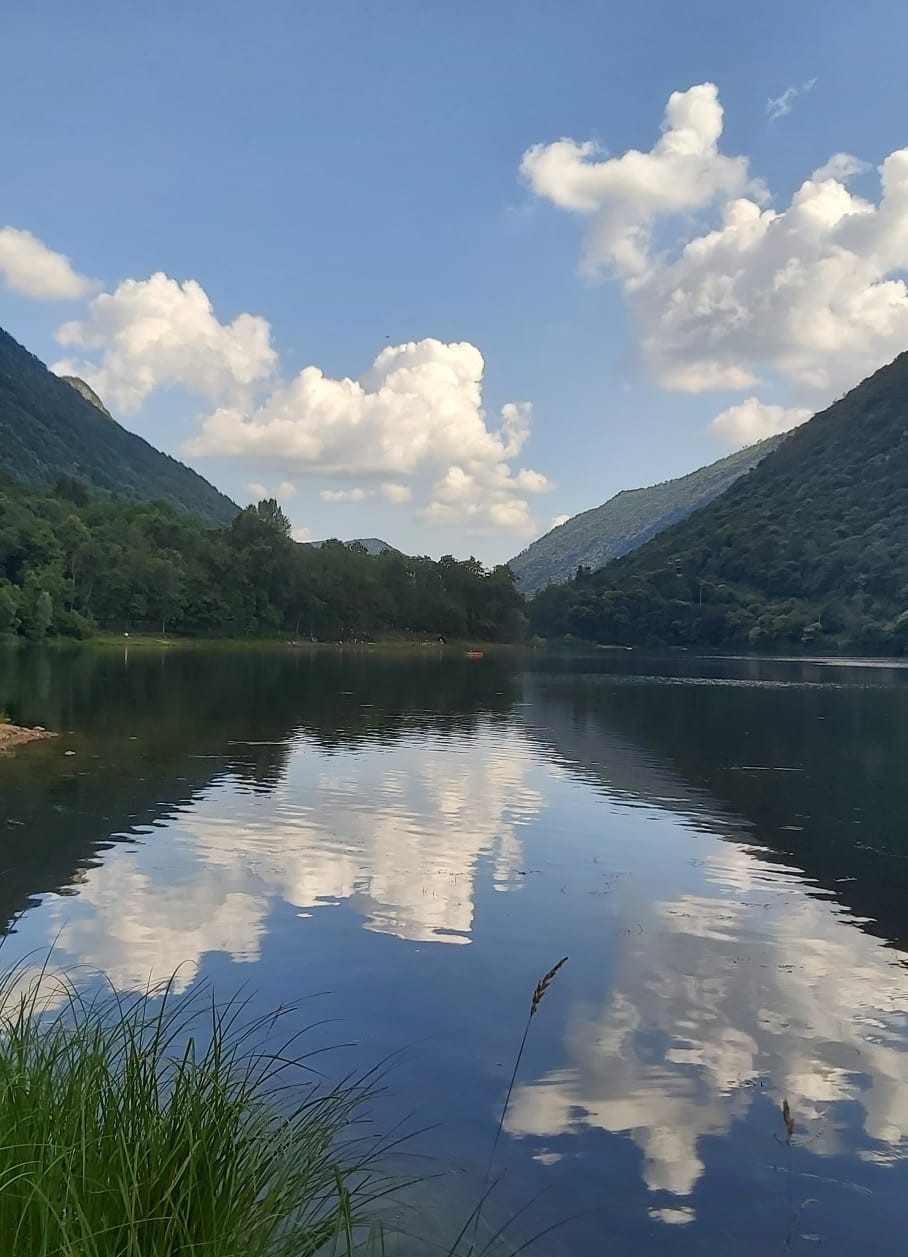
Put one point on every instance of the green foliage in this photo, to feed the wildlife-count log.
(152, 1126)
(627, 520)
(51, 429)
(809, 550)
(70, 564)
(9, 609)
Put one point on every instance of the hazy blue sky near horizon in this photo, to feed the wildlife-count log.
(352, 176)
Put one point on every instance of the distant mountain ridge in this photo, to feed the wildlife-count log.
(627, 520)
(52, 427)
(371, 545)
(809, 550)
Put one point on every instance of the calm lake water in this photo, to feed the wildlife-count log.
(719, 846)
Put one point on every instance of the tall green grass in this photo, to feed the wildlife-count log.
(157, 1126)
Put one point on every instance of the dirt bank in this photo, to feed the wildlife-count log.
(13, 735)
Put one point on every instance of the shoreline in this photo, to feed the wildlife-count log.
(15, 735)
(425, 647)
(401, 645)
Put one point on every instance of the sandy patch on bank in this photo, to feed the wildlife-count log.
(14, 735)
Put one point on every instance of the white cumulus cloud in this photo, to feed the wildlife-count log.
(29, 267)
(684, 171)
(156, 332)
(412, 418)
(485, 497)
(752, 420)
(812, 292)
(811, 295)
(417, 413)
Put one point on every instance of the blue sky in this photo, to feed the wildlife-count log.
(346, 179)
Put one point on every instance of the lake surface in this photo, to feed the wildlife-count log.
(720, 847)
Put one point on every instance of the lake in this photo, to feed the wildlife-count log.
(406, 843)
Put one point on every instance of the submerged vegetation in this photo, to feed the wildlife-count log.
(72, 563)
(147, 1126)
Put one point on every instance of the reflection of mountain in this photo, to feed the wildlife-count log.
(775, 759)
(573, 723)
(739, 984)
(153, 733)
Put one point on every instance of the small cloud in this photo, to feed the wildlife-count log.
(529, 481)
(752, 420)
(29, 267)
(396, 493)
(841, 166)
(303, 534)
(282, 491)
(558, 520)
(342, 495)
(780, 106)
(484, 499)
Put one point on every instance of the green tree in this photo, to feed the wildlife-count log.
(9, 612)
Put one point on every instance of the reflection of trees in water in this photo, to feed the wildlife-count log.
(151, 731)
(255, 694)
(812, 773)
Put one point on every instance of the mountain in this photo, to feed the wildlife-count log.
(86, 391)
(51, 427)
(593, 538)
(810, 549)
(371, 545)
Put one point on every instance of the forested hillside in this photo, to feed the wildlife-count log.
(71, 564)
(49, 427)
(809, 549)
(593, 538)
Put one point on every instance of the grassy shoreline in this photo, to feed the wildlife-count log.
(403, 646)
(399, 645)
(157, 1124)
